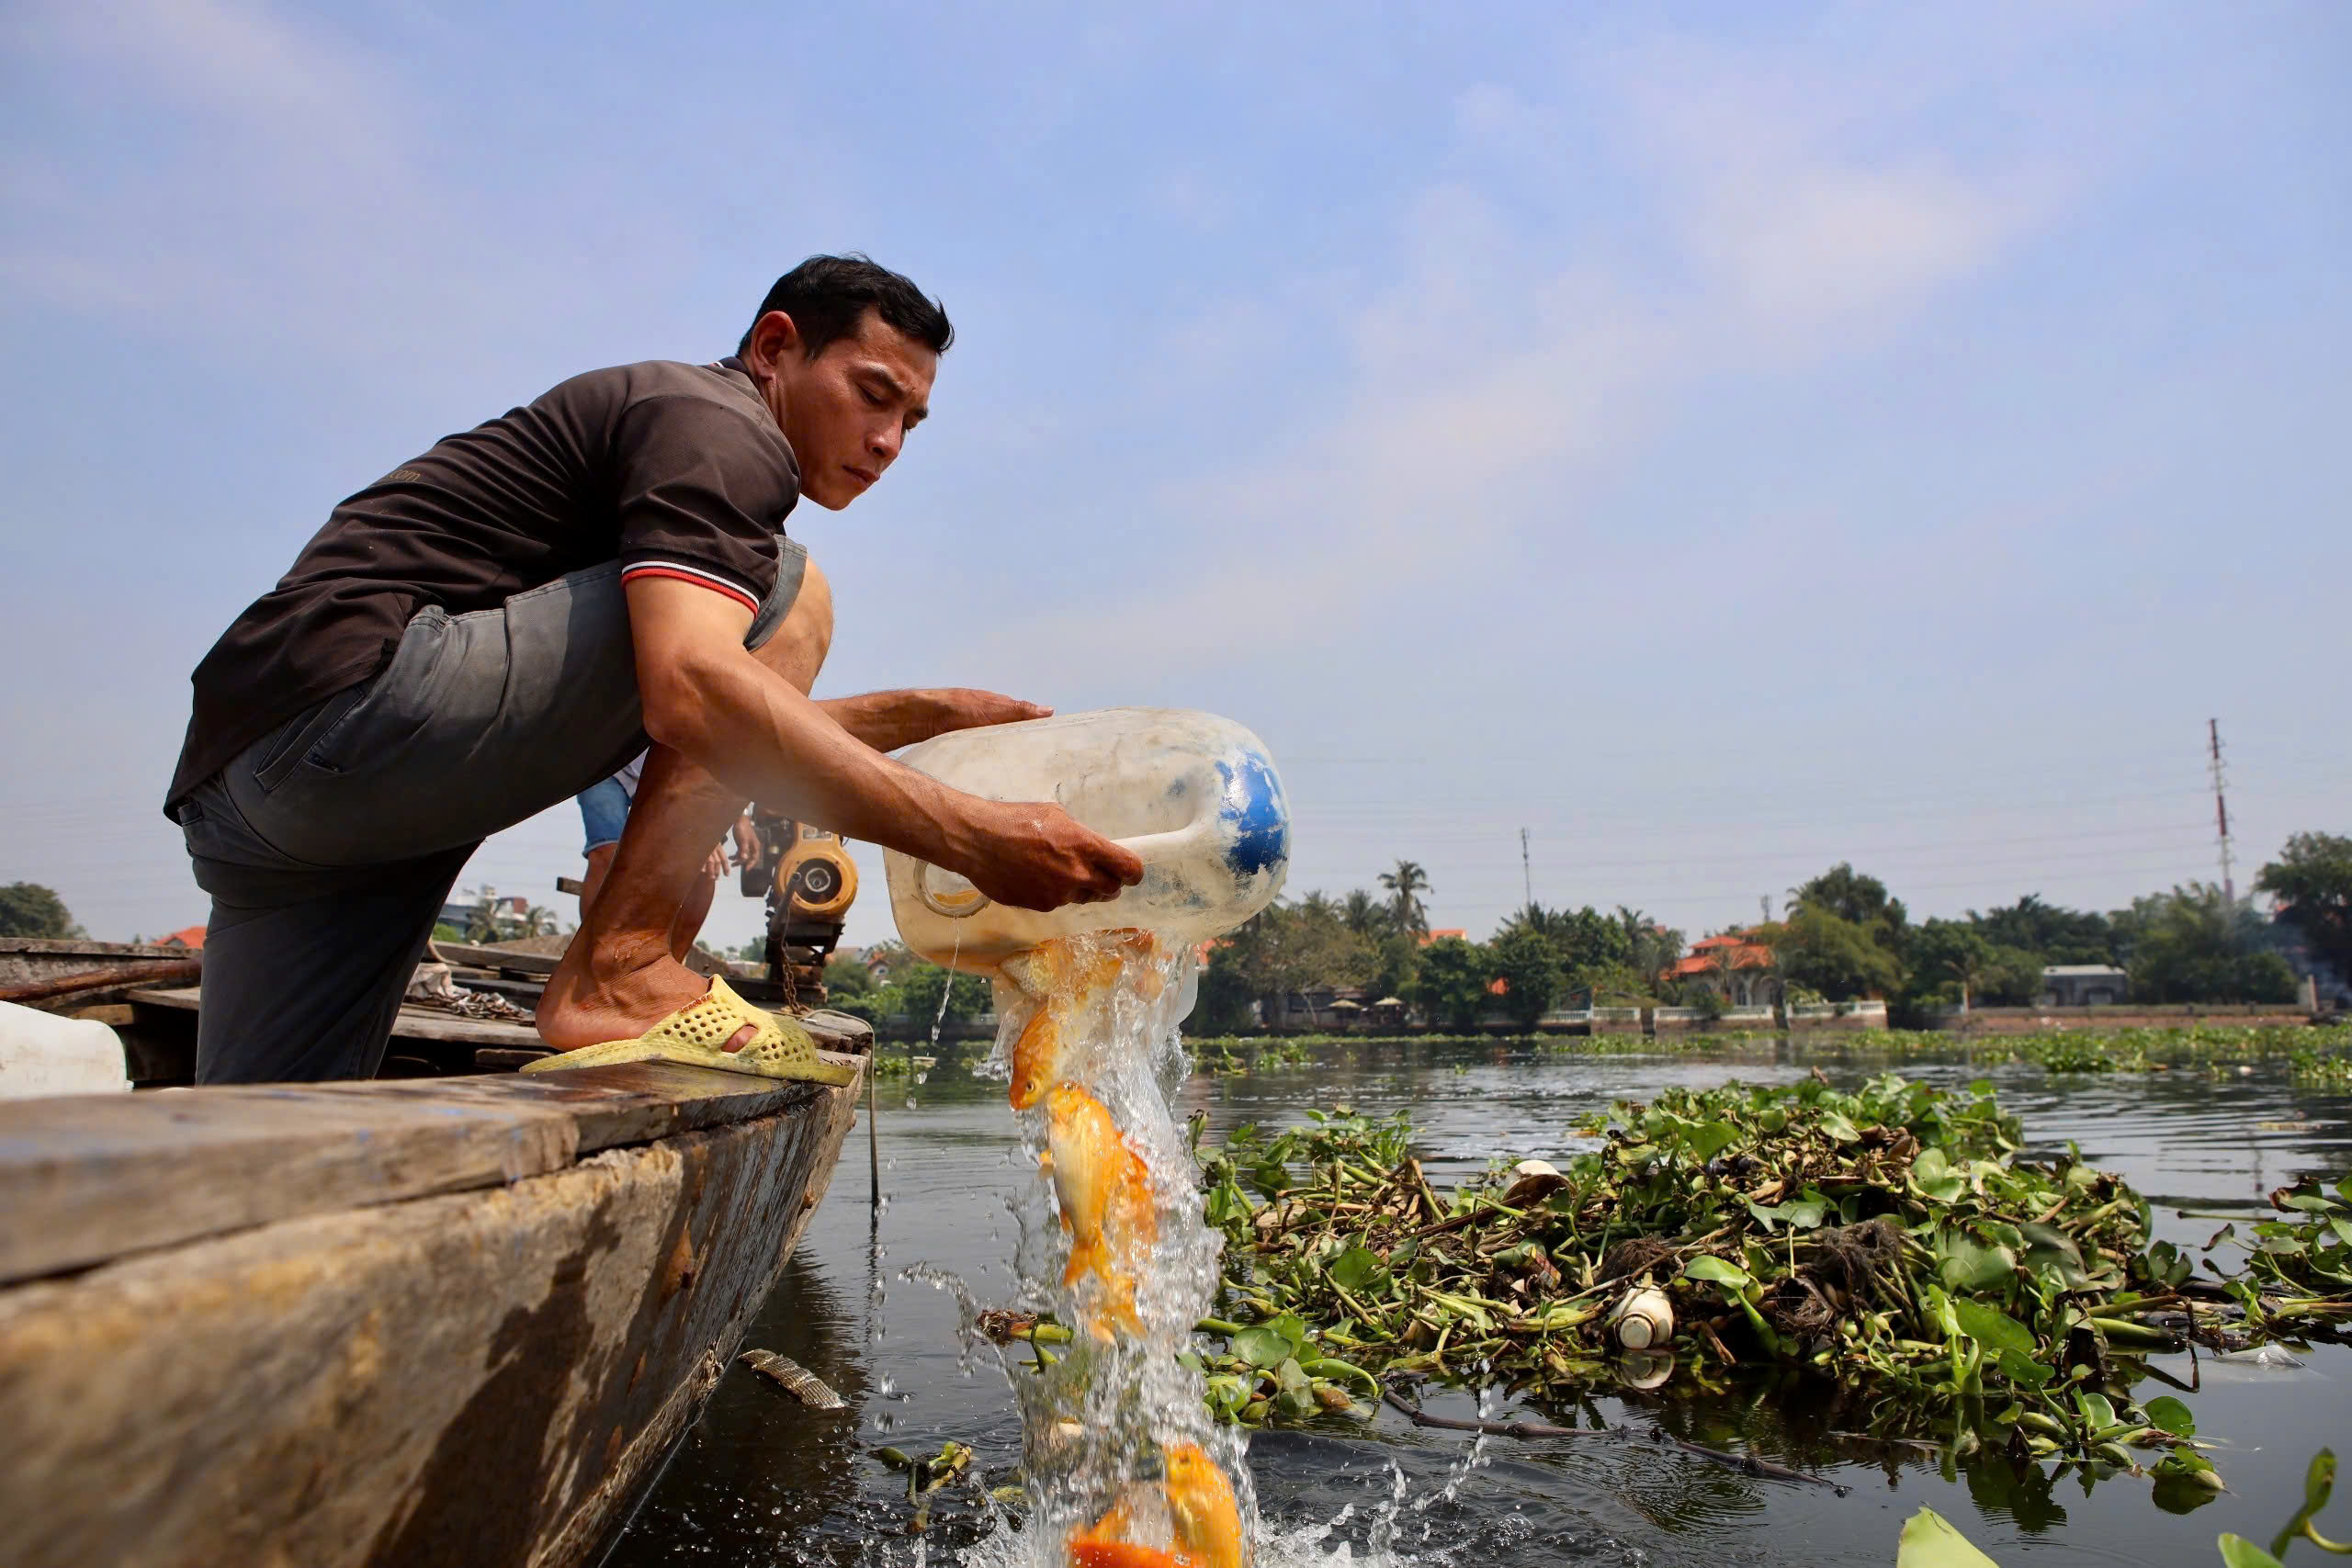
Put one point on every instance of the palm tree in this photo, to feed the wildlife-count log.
(1406, 884)
(1366, 915)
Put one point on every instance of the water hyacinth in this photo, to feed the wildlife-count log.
(1890, 1239)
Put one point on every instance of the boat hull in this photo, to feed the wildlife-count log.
(486, 1376)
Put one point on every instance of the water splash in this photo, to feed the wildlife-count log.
(1117, 1444)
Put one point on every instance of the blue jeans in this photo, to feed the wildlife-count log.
(330, 844)
(603, 811)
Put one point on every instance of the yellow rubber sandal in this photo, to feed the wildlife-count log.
(693, 1036)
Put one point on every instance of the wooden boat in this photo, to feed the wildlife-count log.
(58, 975)
(455, 1320)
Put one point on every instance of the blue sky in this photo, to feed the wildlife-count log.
(1722, 440)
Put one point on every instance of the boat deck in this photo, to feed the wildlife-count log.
(446, 1320)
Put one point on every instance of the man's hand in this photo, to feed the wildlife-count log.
(963, 708)
(747, 841)
(1033, 856)
(887, 720)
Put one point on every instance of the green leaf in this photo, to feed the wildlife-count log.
(1717, 1271)
(2169, 1414)
(2024, 1370)
(1929, 1540)
(2318, 1481)
(1797, 1213)
(1967, 1266)
(1993, 1329)
(2239, 1553)
(1706, 1142)
(1838, 1129)
(1352, 1268)
(1262, 1346)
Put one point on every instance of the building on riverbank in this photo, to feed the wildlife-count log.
(2083, 986)
(1733, 965)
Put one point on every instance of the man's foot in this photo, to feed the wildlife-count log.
(618, 993)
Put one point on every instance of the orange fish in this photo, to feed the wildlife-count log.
(1201, 1510)
(1092, 1552)
(1066, 976)
(1104, 1189)
(1202, 1505)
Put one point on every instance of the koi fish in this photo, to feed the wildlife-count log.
(1094, 1552)
(1066, 976)
(1105, 1190)
(1200, 1512)
(1202, 1506)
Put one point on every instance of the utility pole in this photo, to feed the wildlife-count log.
(1764, 902)
(2221, 807)
(1526, 868)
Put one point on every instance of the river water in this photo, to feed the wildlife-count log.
(763, 1480)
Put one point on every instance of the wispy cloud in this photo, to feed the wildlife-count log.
(1496, 373)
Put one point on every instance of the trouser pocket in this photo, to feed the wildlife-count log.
(276, 757)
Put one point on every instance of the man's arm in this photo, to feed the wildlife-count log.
(887, 720)
(704, 696)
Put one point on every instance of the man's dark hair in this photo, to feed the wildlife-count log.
(825, 296)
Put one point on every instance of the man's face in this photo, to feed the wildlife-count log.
(848, 410)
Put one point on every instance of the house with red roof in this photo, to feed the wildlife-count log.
(1732, 964)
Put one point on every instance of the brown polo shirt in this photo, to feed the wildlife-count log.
(674, 470)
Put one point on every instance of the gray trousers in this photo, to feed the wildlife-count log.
(330, 844)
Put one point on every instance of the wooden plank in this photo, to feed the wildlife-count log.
(840, 1031)
(84, 1179)
(148, 974)
(484, 1377)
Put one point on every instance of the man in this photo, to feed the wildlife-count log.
(500, 622)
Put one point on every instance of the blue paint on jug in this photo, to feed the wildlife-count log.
(1256, 814)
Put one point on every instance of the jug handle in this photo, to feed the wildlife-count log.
(967, 901)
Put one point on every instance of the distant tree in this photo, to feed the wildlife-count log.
(1586, 940)
(2194, 945)
(2311, 880)
(923, 985)
(1857, 899)
(1451, 986)
(1226, 997)
(845, 978)
(1397, 961)
(1530, 966)
(27, 908)
(538, 922)
(1953, 957)
(1290, 947)
(2051, 934)
(1613, 985)
(1406, 884)
(1367, 916)
(1824, 951)
(1652, 949)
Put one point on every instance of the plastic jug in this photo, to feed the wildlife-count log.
(1195, 796)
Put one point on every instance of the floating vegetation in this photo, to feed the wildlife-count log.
(2317, 1069)
(2165, 1050)
(1235, 1056)
(1888, 1239)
